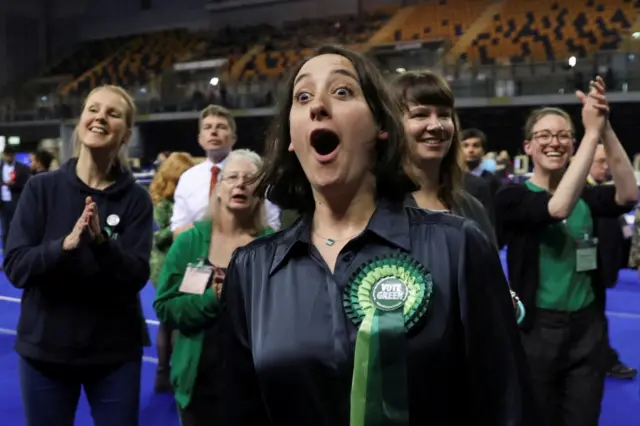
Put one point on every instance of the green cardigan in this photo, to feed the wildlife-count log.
(187, 313)
(162, 238)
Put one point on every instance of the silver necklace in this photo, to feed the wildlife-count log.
(332, 241)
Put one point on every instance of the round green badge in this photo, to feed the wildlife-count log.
(389, 294)
(387, 284)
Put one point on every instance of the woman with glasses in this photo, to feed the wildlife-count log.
(547, 224)
(190, 286)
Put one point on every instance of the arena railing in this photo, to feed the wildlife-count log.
(466, 80)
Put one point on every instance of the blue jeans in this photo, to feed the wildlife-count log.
(50, 393)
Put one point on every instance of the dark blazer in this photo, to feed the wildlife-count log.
(492, 180)
(480, 190)
(23, 173)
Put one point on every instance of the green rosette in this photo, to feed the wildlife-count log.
(386, 297)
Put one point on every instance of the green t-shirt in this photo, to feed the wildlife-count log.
(561, 287)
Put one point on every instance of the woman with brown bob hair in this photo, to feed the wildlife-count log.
(433, 129)
(364, 311)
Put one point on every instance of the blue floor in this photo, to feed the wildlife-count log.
(621, 405)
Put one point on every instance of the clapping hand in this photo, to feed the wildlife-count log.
(88, 222)
(94, 221)
(595, 109)
(72, 240)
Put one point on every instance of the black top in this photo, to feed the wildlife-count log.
(208, 384)
(480, 190)
(494, 182)
(470, 208)
(80, 307)
(290, 346)
(521, 216)
(613, 248)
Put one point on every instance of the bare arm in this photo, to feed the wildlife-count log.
(621, 169)
(570, 187)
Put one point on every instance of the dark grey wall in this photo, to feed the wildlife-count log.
(23, 36)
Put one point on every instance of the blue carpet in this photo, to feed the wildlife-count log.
(621, 404)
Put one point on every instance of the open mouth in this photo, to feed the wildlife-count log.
(324, 141)
(239, 197)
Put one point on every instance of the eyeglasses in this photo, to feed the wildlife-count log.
(235, 178)
(546, 136)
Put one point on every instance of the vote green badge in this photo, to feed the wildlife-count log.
(386, 297)
(389, 294)
(113, 220)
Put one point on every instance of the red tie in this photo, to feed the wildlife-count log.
(215, 171)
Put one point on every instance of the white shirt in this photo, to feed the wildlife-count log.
(191, 198)
(7, 169)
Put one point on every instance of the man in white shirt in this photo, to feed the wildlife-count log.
(191, 198)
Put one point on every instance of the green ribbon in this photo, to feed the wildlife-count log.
(379, 394)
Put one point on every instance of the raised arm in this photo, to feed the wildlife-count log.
(568, 192)
(622, 172)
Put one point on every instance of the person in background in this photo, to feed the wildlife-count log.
(504, 165)
(79, 249)
(14, 178)
(474, 147)
(40, 161)
(549, 226)
(217, 136)
(235, 218)
(162, 189)
(614, 240)
(432, 126)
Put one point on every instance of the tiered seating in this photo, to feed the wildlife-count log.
(549, 30)
(438, 20)
(138, 61)
(297, 39)
(86, 56)
(231, 41)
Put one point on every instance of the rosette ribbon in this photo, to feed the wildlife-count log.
(385, 298)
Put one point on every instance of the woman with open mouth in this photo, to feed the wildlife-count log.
(366, 311)
(191, 282)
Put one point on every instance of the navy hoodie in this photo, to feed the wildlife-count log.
(80, 307)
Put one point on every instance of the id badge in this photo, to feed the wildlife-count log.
(195, 279)
(587, 255)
